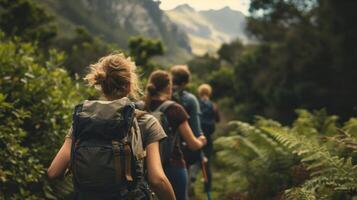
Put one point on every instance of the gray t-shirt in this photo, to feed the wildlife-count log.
(150, 127)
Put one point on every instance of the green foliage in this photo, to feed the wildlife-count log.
(37, 97)
(32, 23)
(327, 170)
(143, 49)
(230, 52)
(267, 158)
(259, 167)
(300, 194)
(82, 50)
(218, 73)
(305, 39)
(304, 57)
(27, 20)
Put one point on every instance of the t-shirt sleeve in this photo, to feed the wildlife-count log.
(152, 130)
(176, 115)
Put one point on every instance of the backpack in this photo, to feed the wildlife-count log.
(168, 144)
(107, 154)
(208, 115)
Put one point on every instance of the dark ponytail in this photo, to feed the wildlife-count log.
(151, 89)
(158, 82)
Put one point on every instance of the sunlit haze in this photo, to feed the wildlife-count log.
(241, 5)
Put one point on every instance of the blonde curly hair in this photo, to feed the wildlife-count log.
(204, 90)
(114, 75)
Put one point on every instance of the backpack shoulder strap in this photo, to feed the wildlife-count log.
(140, 153)
(77, 110)
(139, 113)
(164, 106)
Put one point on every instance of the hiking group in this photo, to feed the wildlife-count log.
(127, 147)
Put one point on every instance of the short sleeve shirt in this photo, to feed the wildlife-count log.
(175, 114)
(150, 127)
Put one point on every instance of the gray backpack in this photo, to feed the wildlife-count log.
(107, 156)
(168, 144)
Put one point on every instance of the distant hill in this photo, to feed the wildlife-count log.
(207, 30)
(116, 20)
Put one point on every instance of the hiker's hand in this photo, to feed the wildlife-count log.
(203, 140)
(205, 159)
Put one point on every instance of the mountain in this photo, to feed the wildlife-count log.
(116, 20)
(207, 30)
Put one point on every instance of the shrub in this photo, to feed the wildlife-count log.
(36, 100)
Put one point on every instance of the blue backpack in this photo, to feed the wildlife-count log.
(208, 115)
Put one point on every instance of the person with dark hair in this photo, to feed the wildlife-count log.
(109, 140)
(181, 77)
(209, 116)
(158, 95)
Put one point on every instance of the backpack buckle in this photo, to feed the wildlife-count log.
(116, 149)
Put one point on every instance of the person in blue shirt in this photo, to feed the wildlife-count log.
(181, 77)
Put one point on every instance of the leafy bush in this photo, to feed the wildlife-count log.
(312, 159)
(36, 100)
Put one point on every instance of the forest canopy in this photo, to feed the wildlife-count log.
(305, 57)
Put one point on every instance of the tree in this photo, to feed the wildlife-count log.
(305, 59)
(82, 50)
(25, 19)
(231, 52)
(143, 49)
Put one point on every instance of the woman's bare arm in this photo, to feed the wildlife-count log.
(157, 178)
(187, 134)
(61, 161)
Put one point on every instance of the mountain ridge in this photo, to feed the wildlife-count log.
(208, 29)
(121, 20)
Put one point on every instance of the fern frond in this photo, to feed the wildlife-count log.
(247, 130)
(299, 194)
(345, 139)
(327, 170)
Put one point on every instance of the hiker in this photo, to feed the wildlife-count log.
(105, 148)
(174, 119)
(209, 116)
(181, 76)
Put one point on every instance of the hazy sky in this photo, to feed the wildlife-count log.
(241, 5)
